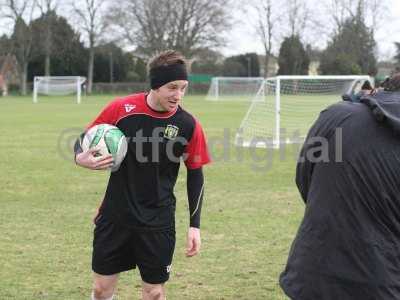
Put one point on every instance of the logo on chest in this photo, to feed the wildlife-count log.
(129, 107)
(171, 132)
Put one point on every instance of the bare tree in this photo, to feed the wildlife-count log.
(297, 14)
(21, 13)
(186, 25)
(339, 11)
(373, 11)
(377, 11)
(46, 8)
(91, 19)
(266, 24)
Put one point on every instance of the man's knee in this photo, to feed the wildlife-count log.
(153, 291)
(102, 293)
(103, 287)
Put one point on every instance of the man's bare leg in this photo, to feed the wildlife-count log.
(104, 286)
(153, 291)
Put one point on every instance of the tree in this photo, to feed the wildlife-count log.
(374, 12)
(265, 27)
(378, 10)
(207, 61)
(68, 55)
(111, 64)
(22, 45)
(91, 17)
(233, 68)
(185, 25)
(274, 19)
(21, 13)
(48, 12)
(293, 59)
(297, 14)
(246, 65)
(351, 50)
(42, 32)
(140, 69)
(5, 45)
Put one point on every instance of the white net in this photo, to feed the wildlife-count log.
(285, 108)
(58, 86)
(234, 88)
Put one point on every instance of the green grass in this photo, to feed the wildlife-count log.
(249, 217)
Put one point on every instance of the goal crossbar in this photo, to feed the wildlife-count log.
(301, 100)
(58, 85)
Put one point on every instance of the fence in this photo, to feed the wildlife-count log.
(123, 88)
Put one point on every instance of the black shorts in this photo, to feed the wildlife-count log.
(117, 249)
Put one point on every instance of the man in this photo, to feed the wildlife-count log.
(348, 174)
(135, 225)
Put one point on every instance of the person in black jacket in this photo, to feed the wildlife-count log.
(348, 174)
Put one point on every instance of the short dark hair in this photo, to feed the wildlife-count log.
(366, 85)
(393, 84)
(166, 58)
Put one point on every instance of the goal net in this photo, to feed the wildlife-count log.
(234, 88)
(58, 86)
(286, 106)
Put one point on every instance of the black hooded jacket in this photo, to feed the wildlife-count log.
(348, 174)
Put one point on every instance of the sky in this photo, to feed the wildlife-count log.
(243, 38)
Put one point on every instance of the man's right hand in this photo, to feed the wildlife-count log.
(88, 160)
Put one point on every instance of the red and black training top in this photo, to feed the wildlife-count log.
(140, 194)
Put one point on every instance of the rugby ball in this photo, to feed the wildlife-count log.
(109, 140)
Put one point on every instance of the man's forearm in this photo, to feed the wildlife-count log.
(195, 191)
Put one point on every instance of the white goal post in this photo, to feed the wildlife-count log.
(286, 106)
(58, 85)
(234, 88)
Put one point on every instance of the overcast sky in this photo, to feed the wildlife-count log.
(243, 38)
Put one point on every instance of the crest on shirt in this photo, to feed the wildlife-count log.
(171, 132)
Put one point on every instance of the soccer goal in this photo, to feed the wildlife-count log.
(286, 106)
(234, 88)
(58, 86)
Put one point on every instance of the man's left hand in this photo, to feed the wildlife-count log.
(193, 242)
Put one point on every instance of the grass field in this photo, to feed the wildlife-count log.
(250, 215)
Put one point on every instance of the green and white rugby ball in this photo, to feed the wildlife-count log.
(109, 140)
